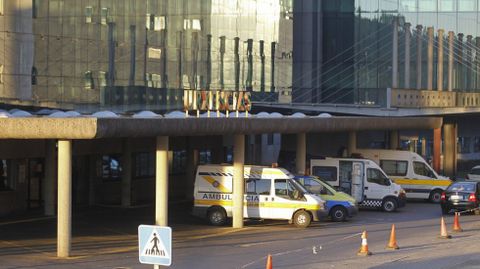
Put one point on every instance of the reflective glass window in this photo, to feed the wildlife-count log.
(408, 5)
(388, 5)
(366, 5)
(466, 5)
(427, 5)
(447, 5)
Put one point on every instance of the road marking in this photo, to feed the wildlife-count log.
(25, 220)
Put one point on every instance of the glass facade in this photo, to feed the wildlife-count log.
(127, 55)
(357, 47)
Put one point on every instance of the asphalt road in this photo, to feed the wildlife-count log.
(108, 240)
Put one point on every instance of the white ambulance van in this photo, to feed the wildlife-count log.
(270, 193)
(363, 179)
(411, 171)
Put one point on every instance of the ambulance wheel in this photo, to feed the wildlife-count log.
(338, 213)
(301, 219)
(389, 205)
(217, 216)
(435, 196)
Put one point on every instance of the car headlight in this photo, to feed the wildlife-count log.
(352, 203)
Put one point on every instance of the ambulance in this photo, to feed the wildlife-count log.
(270, 193)
(411, 171)
(363, 179)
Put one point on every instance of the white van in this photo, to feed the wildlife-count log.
(411, 171)
(270, 193)
(363, 179)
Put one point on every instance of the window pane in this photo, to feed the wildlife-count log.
(263, 187)
(427, 5)
(394, 168)
(326, 173)
(408, 5)
(466, 5)
(447, 5)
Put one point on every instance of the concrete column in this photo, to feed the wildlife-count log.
(407, 55)
(437, 141)
(394, 139)
(301, 158)
(430, 59)
(395, 54)
(64, 218)
(161, 181)
(238, 180)
(127, 173)
(451, 37)
(440, 61)
(469, 72)
(192, 163)
(419, 57)
(424, 147)
(49, 180)
(92, 160)
(449, 145)
(352, 143)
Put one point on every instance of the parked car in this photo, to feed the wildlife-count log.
(474, 173)
(339, 205)
(461, 195)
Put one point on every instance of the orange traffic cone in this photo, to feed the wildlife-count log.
(456, 223)
(443, 230)
(269, 262)
(392, 244)
(363, 251)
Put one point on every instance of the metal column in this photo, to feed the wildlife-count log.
(419, 57)
(407, 55)
(440, 61)
(430, 59)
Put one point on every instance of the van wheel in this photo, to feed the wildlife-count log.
(217, 216)
(338, 213)
(435, 196)
(301, 219)
(389, 205)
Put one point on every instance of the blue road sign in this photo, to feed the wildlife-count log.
(155, 245)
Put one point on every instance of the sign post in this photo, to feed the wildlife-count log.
(155, 245)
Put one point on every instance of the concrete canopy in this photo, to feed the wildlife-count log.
(93, 128)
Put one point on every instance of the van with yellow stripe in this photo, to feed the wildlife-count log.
(411, 171)
(270, 193)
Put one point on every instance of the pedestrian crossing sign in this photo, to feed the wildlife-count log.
(155, 245)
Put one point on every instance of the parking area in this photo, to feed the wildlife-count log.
(106, 237)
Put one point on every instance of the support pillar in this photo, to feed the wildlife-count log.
(395, 54)
(192, 163)
(451, 37)
(64, 218)
(459, 54)
(440, 61)
(419, 57)
(92, 161)
(430, 59)
(301, 158)
(437, 141)
(49, 181)
(127, 173)
(477, 62)
(424, 147)
(407, 55)
(352, 143)
(394, 138)
(449, 146)
(238, 179)
(161, 181)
